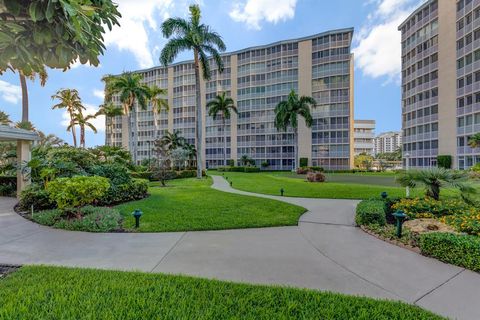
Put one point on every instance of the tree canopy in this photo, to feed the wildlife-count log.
(53, 33)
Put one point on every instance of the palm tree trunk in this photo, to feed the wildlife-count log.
(224, 143)
(23, 85)
(198, 125)
(135, 134)
(82, 136)
(74, 132)
(295, 133)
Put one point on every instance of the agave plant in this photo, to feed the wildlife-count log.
(434, 179)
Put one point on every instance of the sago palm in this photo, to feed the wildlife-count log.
(474, 141)
(223, 106)
(69, 99)
(287, 113)
(191, 35)
(131, 91)
(434, 179)
(110, 111)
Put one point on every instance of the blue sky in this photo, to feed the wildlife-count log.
(242, 23)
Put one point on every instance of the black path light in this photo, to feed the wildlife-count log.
(137, 214)
(231, 183)
(400, 216)
(384, 195)
(282, 191)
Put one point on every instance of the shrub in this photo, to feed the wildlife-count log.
(468, 222)
(230, 162)
(251, 169)
(134, 190)
(428, 208)
(93, 219)
(8, 186)
(303, 162)
(265, 164)
(444, 161)
(148, 175)
(302, 170)
(370, 212)
(231, 169)
(77, 191)
(460, 250)
(315, 177)
(116, 173)
(47, 217)
(316, 169)
(476, 168)
(36, 196)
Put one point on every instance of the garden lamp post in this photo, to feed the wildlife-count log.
(407, 166)
(282, 191)
(384, 195)
(137, 214)
(400, 216)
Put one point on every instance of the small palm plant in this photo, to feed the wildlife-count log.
(435, 179)
(223, 106)
(287, 113)
(474, 141)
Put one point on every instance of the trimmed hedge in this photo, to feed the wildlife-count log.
(371, 212)
(460, 250)
(303, 162)
(134, 190)
(444, 161)
(238, 169)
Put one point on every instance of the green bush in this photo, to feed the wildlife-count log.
(231, 169)
(251, 169)
(142, 175)
(187, 174)
(303, 162)
(317, 169)
(460, 250)
(77, 191)
(230, 162)
(444, 161)
(134, 190)
(35, 195)
(94, 219)
(47, 217)
(264, 164)
(116, 173)
(8, 186)
(371, 212)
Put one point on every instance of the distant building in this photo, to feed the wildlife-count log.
(363, 137)
(388, 142)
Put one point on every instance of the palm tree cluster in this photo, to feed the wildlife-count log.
(172, 141)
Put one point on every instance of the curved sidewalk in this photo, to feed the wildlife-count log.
(325, 251)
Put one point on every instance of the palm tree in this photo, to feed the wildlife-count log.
(23, 84)
(191, 152)
(173, 140)
(474, 141)
(245, 160)
(4, 118)
(83, 122)
(131, 91)
(434, 179)
(287, 113)
(109, 110)
(25, 125)
(193, 36)
(69, 100)
(222, 105)
(49, 140)
(159, 103)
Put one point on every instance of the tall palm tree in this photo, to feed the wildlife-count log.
(159, 103)
(193, 36)
(69, 99)
(131, 91)
(474, 141)
(223, 106)
(109, 110)
(25, 125)
(43, 76)
(83, 122)
(172, 140)
(434, 179)
(287, 113)
(49, 140)
(4, 118)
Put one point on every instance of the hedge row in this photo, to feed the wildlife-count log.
(238, 169)
(460, 250)
(171, 174)
(371, 212)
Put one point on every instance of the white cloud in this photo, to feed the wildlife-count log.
(100, 94)
(253, 12)
(378, 47)
(138, 17)
(9, 92)
(98, 122)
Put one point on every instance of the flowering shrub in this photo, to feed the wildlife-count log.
(429, 208)
(468, 222)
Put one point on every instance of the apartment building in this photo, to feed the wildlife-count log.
(363, 136)
(441, 82)
(388, 142)
(258, 78)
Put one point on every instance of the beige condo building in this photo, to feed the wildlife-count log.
(258, 78)
(441, 82)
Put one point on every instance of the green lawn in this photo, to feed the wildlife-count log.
(191, 204)
(371, 178)
(272, 182)
(62, 293)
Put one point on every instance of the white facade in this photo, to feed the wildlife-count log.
(364, 136)
(388, 142)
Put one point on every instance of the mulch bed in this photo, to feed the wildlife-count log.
(5, 269)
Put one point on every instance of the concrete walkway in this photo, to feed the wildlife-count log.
(325, 251)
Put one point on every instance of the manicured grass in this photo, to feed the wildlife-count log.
(272, 182)
(191, 204)
(371, 178)
(62, 293)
